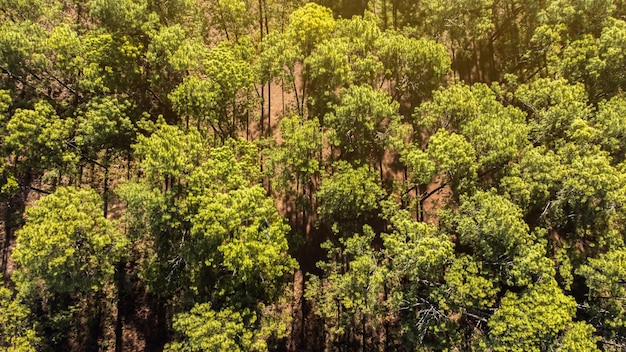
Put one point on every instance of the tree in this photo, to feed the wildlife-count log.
(585, 207)
(172, 52)
(169, 153)
(209, 233)
(493, 230)
(363, 125)
(20, 55)
(295, 163)
(349, 196)
(533, 181)
(471, 288)
(413, 67)
(37, 138)
(579, 17)
(17, 332)
(533, 320)
(603, 277)
(328, 69)
(554, 108)
(234, 17)
(362, 36)
(241, 228)
(66, 256)
(455, 160)
(298, 154)
(104, 125)
(466, 26)
(496, 132)
(284, 53)
(207, 330)
(416, 255)
(347, 296)
(309, 26)
(501, 120)
(66, 245)
(579, 336)
(219, 97)
(608, 121)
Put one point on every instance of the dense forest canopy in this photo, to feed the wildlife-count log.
(382, 175)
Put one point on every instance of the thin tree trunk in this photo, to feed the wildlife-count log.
(295, 90)
(380, 166)
(303, 308)
(363, 337)
(95, 323)
(119, 322)
(282, 87)
(105, 196)
(262, 85)
(269, 109)
(386, 321)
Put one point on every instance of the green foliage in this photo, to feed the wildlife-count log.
(171, 52)
(535, 179)
(205, 329)
(608, 121)
(455, 159)
(491, 225)
(555, 106)
(533, 320)
(339, 54)
(108, 63)
(310, 25)
(278, 58)
(514, 170)
(495, 231)
(211, 220)
(232, 16)
(8, 182)
(329, 67)
(416, 66)
(604, 276)
(588, 196)
(66, 245)
(579, 337)
(420, 166)
(19, 44)
(496, 132)
(297, 159)
(169, 152)
(17, 333)
(66, 47)
(301, 144)
(105, 125)
(417, 255)
(347, 296)
(469, 287)
(361, 36)
(349, 194)
(364, 124)
(416, 250)
(246, 236)
(219, 96)
(38, 136)
(584, 16)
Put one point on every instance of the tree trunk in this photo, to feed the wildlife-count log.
(105, 195)
(120, 274)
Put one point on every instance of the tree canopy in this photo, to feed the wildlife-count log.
(268, 175)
